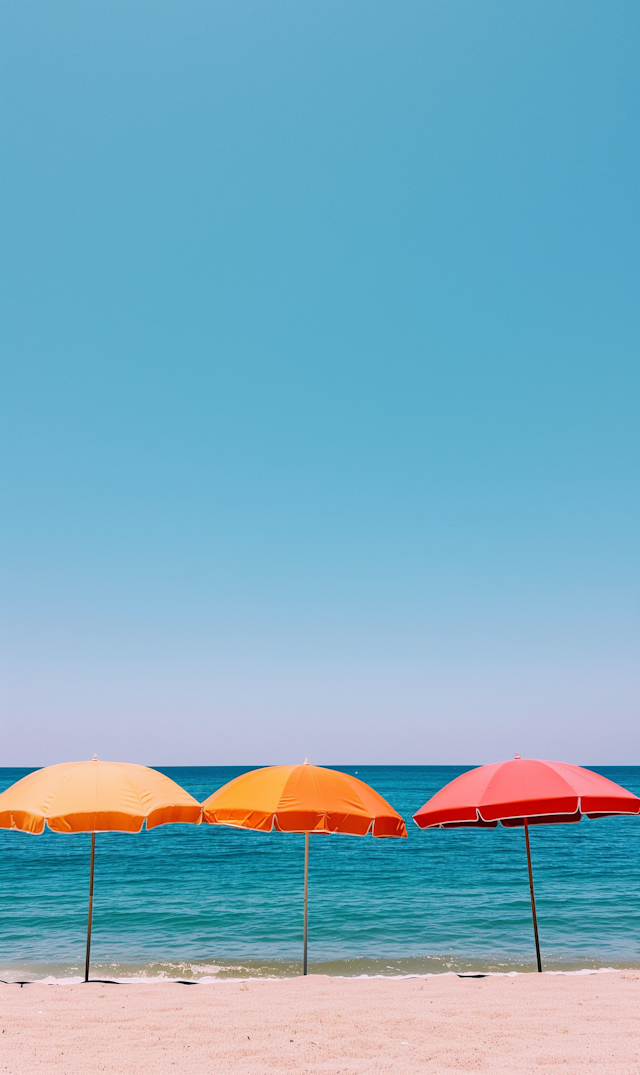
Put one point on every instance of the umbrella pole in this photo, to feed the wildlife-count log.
(533, 899)
(93, 855)
(306, 902)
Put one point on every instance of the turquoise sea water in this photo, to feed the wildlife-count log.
(193, 902)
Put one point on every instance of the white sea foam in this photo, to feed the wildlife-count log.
(165, 979)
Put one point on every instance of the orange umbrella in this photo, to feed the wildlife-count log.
(302, 798)
(95, 796)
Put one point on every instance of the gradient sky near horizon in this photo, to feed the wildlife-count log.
(320, 389)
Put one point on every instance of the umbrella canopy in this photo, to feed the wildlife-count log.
(302, 798)
(525, 792)
(95, 796)
(544, 792)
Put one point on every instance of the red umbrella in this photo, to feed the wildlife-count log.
(525, 792)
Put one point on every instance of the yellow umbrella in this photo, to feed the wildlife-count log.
(302, 798)
(95, 796)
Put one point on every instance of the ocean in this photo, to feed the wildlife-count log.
(197, 903)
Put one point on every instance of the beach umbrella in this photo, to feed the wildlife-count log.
(525, 792)
(95, 796)
(305, 799)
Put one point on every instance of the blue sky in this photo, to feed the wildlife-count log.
(320, 381)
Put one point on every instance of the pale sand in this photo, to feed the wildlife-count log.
(529, 1023)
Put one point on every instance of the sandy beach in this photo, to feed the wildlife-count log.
(526, 1023)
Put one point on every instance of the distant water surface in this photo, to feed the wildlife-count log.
(187, 901)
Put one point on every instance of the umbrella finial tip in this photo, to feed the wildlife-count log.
(517, 758)
(95, 757)
(306, 761)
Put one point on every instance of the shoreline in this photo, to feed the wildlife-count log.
(211, 975)
(203, 970)
(212, 979)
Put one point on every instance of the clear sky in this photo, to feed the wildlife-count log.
(319, 402)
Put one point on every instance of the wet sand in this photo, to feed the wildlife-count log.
(529, 1023)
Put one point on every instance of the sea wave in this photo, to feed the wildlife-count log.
(189, 973)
